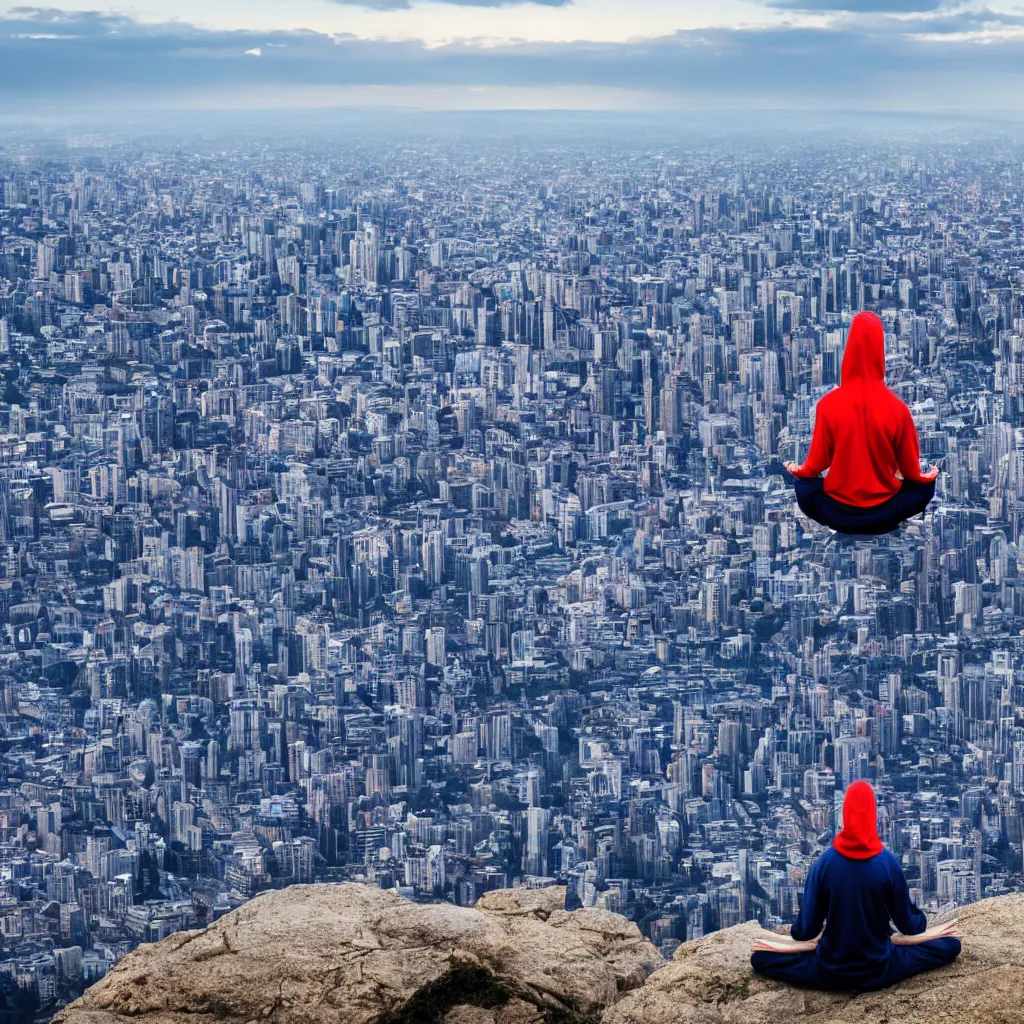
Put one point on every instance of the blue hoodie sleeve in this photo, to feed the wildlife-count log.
(814, 905)
(904, 914)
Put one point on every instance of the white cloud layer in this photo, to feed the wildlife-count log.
(943, 57)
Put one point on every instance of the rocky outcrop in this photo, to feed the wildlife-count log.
(348, 954)
(710, 982)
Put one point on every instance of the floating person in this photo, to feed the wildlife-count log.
(864, 436)
(854, 890)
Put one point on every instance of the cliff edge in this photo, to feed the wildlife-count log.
(349, 954)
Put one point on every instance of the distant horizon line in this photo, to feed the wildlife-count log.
(1014, 115)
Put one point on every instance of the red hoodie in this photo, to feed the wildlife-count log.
(859, 837)
(863, 433)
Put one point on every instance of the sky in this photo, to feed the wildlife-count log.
(618, 55)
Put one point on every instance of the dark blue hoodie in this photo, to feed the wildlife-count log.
(855, 900)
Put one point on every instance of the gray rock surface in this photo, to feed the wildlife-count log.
(710, 982)
(348, 954)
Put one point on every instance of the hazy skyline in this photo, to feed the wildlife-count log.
(482, 54)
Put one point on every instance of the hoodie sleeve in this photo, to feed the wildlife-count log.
(819, 458)
(908, 448)
(904, 914)
(813, 906)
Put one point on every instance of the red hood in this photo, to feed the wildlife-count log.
(859, 837)
(864, 357)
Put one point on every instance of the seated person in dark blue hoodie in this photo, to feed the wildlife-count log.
(853, 891)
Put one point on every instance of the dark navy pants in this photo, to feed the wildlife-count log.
(806, 970)
(910, 500)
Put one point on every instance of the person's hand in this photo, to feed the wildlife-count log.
(948, 930)
(793, 468)
(772, 946)
(768, 942)
(930, 474)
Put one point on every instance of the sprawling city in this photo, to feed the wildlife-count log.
(411, 511)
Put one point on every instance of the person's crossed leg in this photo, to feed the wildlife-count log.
(910, 955)
(910, 500)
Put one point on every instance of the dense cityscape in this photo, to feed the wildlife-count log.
(412, 512)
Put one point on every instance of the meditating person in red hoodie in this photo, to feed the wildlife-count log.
(863, 435)
(843, 938)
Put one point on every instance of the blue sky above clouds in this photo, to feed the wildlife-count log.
(568, 54)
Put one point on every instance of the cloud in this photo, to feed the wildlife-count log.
(254, 51)
(906, 17)
(404, 5)
(861, 6)
(879, 62)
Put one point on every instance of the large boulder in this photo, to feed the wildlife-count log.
(351, 954)
(710, 982)
(348, 954)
